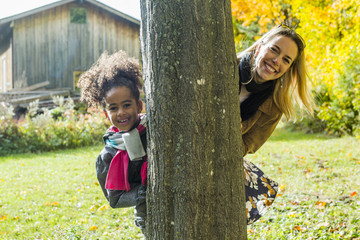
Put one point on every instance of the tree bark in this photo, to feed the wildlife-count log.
(195, 180)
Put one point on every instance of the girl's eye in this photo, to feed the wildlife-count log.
(112, 108)
(127, 105)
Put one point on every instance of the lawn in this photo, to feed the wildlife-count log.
(56, 195)
(319, 183)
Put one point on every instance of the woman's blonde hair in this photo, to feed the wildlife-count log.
(295, 84)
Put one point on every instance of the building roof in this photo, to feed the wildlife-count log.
(8, 20)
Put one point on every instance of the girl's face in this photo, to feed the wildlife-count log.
(122, 108)
(274, 58)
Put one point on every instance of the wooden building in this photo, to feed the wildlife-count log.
(57, 42)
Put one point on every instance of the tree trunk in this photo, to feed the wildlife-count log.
(196, 179)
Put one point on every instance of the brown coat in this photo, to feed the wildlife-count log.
(258, 128)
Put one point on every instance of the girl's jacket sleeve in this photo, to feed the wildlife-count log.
(118, 198)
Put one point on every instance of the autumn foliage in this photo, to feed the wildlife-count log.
(331, 29)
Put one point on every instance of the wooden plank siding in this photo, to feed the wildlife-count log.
(48, 47)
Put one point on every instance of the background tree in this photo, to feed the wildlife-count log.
(195, 187)
(331, 31)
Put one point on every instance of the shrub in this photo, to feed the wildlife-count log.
(339, 109)
(50, 129)
(338, 105)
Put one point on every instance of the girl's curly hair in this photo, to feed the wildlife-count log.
(110, 71)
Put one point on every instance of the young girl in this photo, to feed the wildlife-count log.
(114, 82)
(272, 77)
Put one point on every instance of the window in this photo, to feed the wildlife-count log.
(78, 15)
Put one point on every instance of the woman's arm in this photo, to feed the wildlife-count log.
(257, 129)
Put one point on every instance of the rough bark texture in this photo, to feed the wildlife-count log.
(196, 185)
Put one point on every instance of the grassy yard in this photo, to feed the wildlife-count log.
(56, 195)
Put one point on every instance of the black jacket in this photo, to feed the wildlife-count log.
(121, 198)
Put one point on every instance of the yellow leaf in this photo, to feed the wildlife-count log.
(320, 205)
(103, 207)
(3, 217)
(93, 228)
(94, 207)
(292, 214)
(54, 203)
(281, 189)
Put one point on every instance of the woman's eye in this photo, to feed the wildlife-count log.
(273, 49)
(286, 61)
(127, 105)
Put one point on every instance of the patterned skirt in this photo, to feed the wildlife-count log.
(260, 192)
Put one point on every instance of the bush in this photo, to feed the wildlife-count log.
(50, 129)
(340, 107)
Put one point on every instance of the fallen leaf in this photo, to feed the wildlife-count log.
(94, 207)
(297, 228)
(54, 203)
(353, 194)
(320, 205)
(3, 217)
(292, 214)
(93, 228)
(103, 207)
(282, 188)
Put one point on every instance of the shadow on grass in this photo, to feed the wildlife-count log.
(284, 134)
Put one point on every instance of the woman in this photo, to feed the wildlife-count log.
(272, 77)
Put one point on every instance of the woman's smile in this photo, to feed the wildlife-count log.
(275, 58)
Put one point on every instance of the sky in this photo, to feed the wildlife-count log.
(12, 7)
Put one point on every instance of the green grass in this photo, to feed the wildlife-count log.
(56, 195)
(320, 181)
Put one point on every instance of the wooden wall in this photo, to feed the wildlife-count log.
(47, 47)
